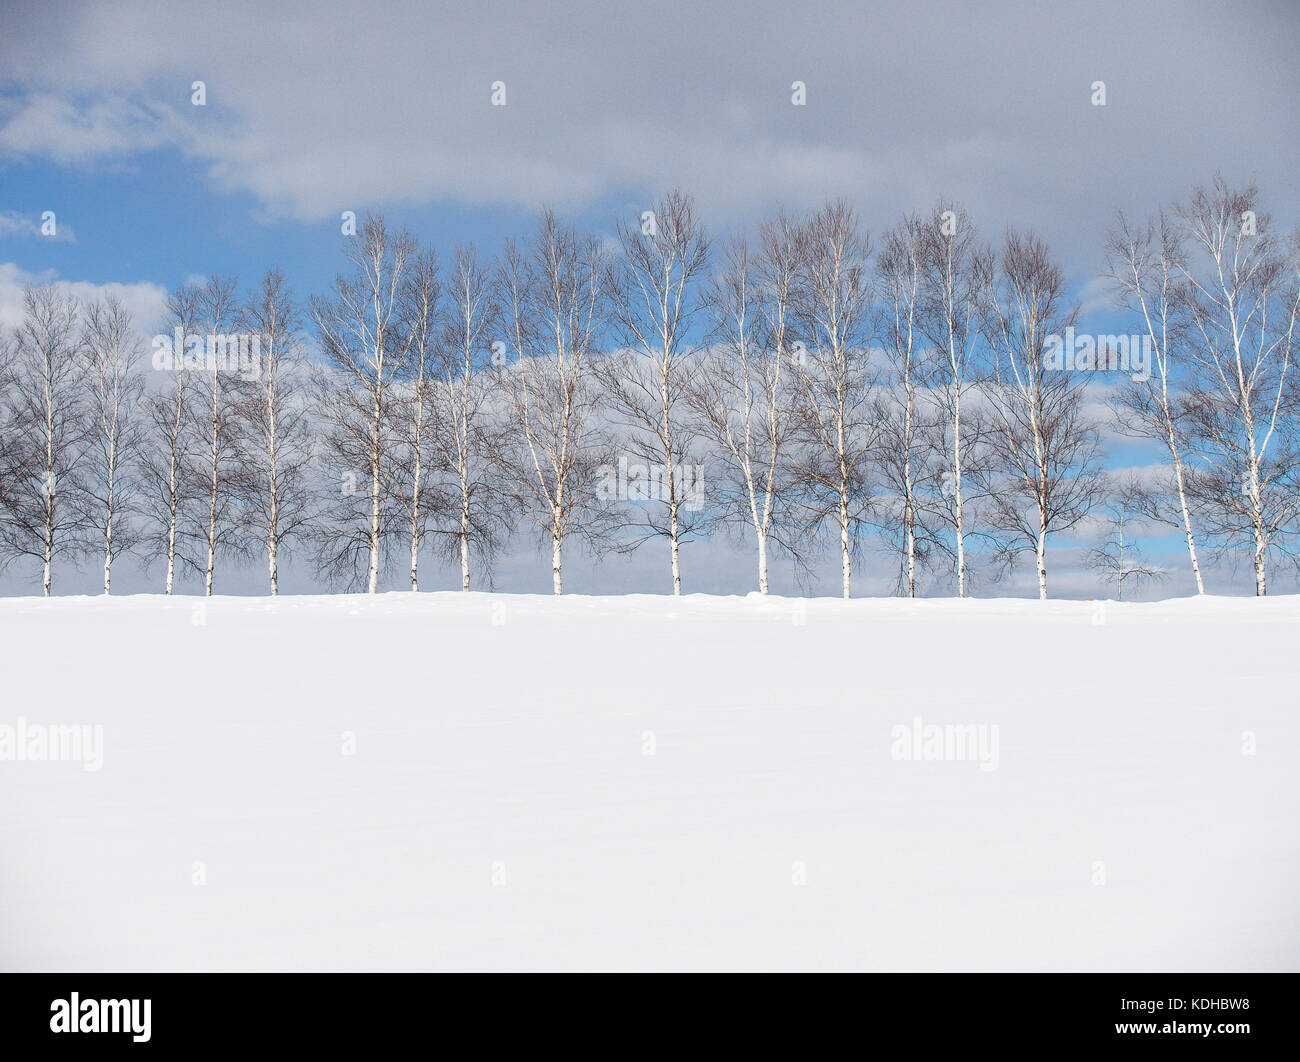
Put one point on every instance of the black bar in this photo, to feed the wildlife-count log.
(486, 1013)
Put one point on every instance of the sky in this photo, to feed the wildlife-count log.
(312, 110)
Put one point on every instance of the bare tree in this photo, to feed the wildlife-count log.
(1118, 557)
(12, 456)
(216, 422)
(1145, 267)
(654, 295)
(414, 408)
(833, 375)
(1242, 300)
(900, 268)
(168, 452)
(1047, 476)
(47, 433)
(273, 499)
(555, 306)
(741, 399)
(957, 272)
(364, 347)
(113, 355)
(471, 428)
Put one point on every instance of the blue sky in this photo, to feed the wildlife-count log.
(158, 220)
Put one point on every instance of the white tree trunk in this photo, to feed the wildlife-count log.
(960, 513)
(1040, 554)
(171, 550)
(207, 575)
(110, 508)
(464, 545)
(1187, 521)
(171, 490)
(415, 487)
(46, 582)
(372, 583)
(375, 458)
(415, 517)
(909, 524)
(108, 553)
(556, 562)
(273, 521)
(845, 559)
(911, 552)
(1257, 515)
(213, 488)
(677, 564)
(909, 508)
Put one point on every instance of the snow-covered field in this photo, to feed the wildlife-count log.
(511, 782)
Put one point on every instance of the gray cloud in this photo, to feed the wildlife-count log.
(332, 107)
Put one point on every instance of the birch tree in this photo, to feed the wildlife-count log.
(1145, 265)
(957, 271)
(273, 498)
(113, 357)
(833, 375)
(417, 487)
(47, 432)
(215, 412)
(1242, 300)
(471, 427)
(168, 479)
(655, 295)
(12, 458)
(900, 269)
(742, 398)
(1047, 477)
(555, 307)
(362, 342)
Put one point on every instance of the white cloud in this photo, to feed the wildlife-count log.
(79, 132)
(146, 301)
(15, 225)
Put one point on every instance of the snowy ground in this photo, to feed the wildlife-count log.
(641, 783)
